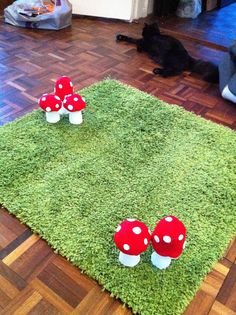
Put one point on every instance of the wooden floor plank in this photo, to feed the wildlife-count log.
(227, 294)
(25, 297)
(23, 247)
(14, 244)
(201, 304)
(8, 274)
(63, 286)
(50, 296)
(28, 304)
(84, 281)
(30, 263)
(44, 308)
(231, 252)
(11, 222)
(220, 309)
(8, 288)
(96, 302)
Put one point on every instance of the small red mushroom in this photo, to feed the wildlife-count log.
(63, 87)
(168, 241)
(132, 237)
(74, 104)
(51, 104)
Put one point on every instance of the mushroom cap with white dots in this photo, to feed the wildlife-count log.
(63, 87)
(169, 236)
(50, 103)
(132, 236)
(74, 103)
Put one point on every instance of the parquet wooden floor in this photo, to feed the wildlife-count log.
(216, 27)
(33, 279)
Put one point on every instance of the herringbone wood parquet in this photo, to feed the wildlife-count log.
(33, 279)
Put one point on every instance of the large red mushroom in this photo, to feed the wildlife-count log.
(74, 104)
(63, 87)
(168, 241)
(51, 104)
(132, 237)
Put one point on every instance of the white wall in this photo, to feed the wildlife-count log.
(116, 9)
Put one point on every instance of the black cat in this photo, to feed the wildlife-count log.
(170, 54)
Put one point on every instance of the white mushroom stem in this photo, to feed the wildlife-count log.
(76, 118)
(161, 262)
(63, 111)
(52, 117)
(129, 260)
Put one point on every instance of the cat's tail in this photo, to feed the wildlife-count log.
(208, 70)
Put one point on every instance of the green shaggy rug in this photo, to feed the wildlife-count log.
(134, 156)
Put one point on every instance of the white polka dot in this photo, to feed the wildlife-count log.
(70, 107)
(71, 84)
(168, 219)
(126, 247)
(156, 238)
(57, 97)
(57, 106)
(145, 241)
(76, 99)
(180, 237)
(48, 109)
(167, 239)
(43, 99)
(131, 220)
(118, 228)
(184, 245)
(64, 101)
(136, 230)
(60, 86)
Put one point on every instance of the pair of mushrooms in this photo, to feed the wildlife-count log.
(63, 101)
(168, 239)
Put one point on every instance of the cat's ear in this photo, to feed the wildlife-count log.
(156, 27)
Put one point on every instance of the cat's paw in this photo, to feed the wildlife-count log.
(157, 71)
(119, 37)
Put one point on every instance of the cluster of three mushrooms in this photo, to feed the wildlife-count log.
(168, 240)
(63, 101)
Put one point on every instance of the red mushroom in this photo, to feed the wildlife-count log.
(132, 237)
(63, 87)
(51, 104)
(74, 104)
(168, 241)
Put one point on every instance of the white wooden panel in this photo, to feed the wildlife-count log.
(117, 9)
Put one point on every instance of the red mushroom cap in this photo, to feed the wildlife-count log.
(168, 237)
(132, 237)
(74, 103)
(63, 87)
(50, 103)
